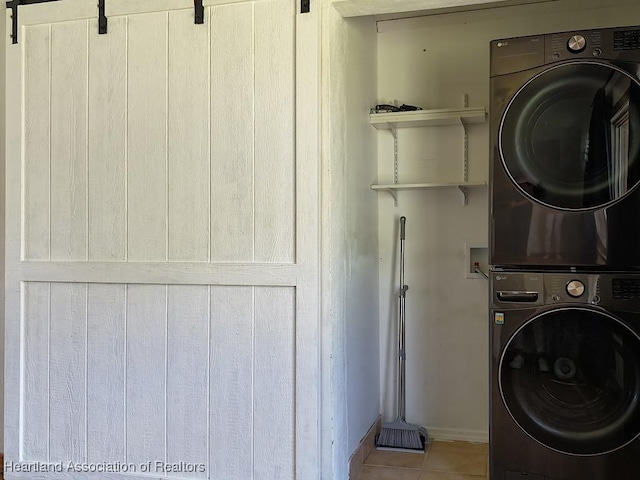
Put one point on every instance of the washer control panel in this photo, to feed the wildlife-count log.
(514, 289)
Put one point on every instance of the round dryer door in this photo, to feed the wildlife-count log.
(570, 137)
(570, 378)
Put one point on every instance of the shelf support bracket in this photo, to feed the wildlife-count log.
(390, 191)
(394, 194)
(465, 200)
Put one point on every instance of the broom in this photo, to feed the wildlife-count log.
(400, 435)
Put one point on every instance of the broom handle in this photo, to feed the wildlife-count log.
(401, 329)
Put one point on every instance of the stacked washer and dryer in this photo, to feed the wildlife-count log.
(565, 256)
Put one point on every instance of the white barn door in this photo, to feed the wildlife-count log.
(162, 310)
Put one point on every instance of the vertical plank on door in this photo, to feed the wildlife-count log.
(69, 68)
(107, 141)
(105, 373)
(146, 361)
(188, 376)
(274, 131)
(232, 431)
(274, 383)
(309, 437)
(37, 117)
(147, 137)
(68, 371)
(35, 300)
(232, 125)
(189, 162)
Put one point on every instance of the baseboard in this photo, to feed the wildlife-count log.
(364, 448)
(453, 434)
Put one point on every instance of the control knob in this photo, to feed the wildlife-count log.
(575, 288)
(576, 44)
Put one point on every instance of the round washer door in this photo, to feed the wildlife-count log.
(570, 379)
(570, 137)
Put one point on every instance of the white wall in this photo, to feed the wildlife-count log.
(3, 34)
(333, 246)
(431, 62)
(350, 235)
(361, 215)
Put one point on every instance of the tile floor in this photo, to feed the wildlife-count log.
(442, 461)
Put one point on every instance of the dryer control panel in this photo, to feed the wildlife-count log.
(626, 288)
(626, 40)
(511, 55)
(607, 44)
(567, 45)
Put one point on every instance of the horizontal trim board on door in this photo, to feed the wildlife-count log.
(162, 273)
(50, 12)
(129, 7)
